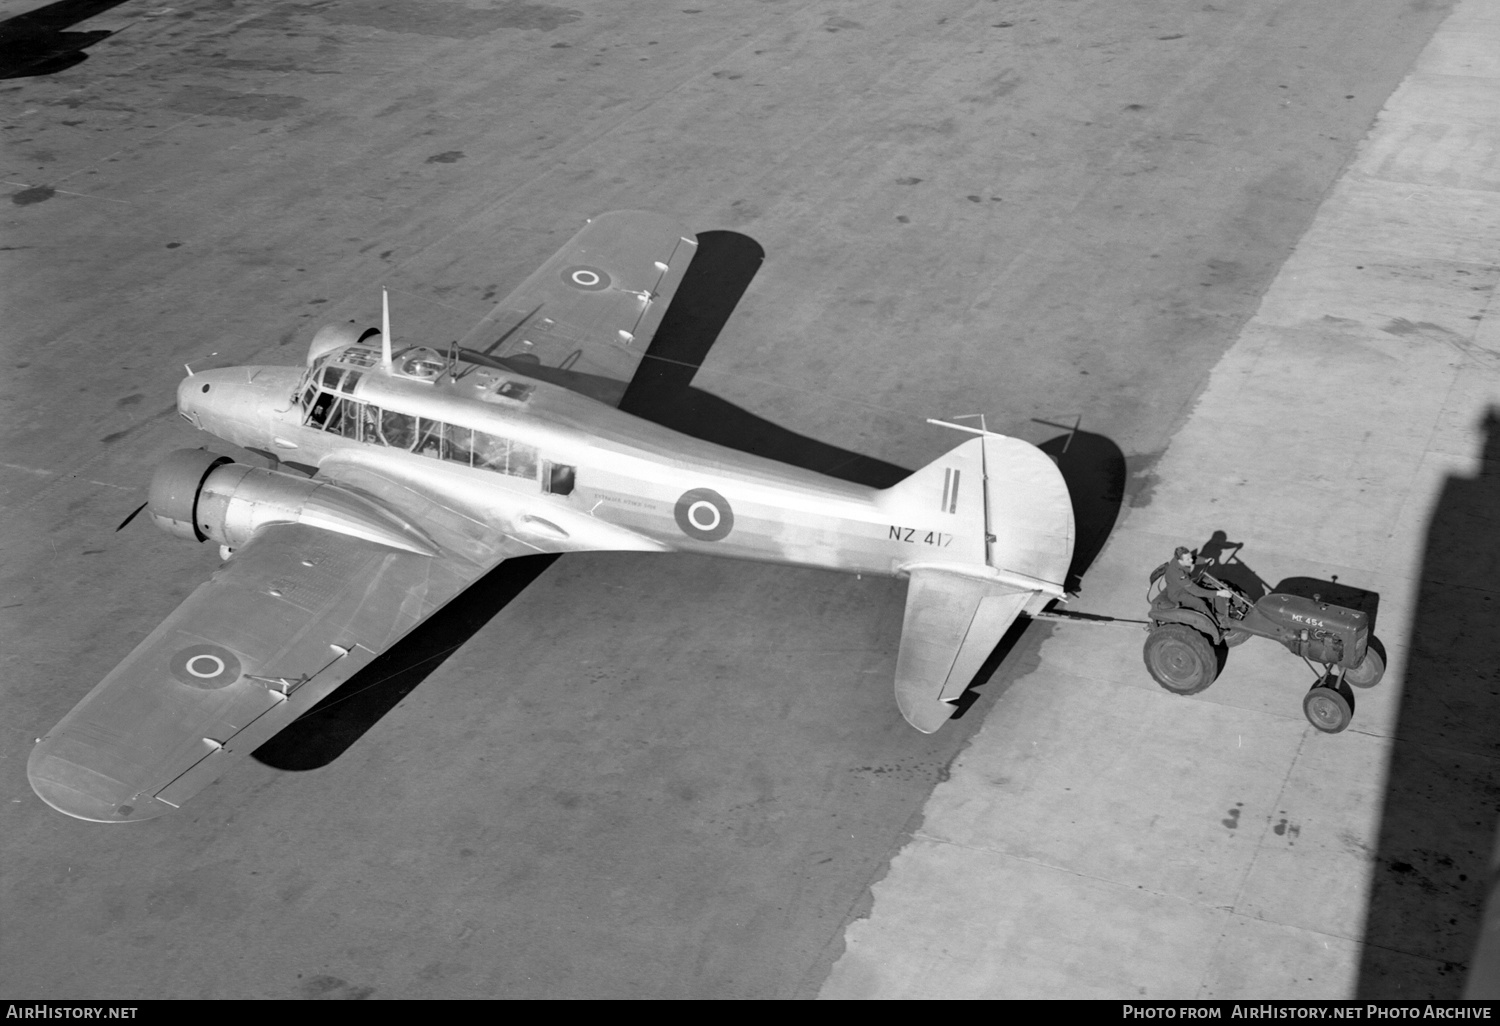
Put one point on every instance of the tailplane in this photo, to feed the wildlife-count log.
(1012, 523)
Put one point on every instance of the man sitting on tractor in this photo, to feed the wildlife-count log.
(1181, 590)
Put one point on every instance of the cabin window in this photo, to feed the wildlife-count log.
(369, 418)
(398, 430)
(522, 460)
(458, 444)
(347, 419)
(495, 453)
(350, 420)
(364, 422)
(429, 438)
(518, 391)
(490, 452)
(560, 479)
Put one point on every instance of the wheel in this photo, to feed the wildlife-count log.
(1180, 659)
(1237, 636)
(1369, 671)
(1328, 709)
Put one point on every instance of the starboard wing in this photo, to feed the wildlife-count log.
(584, 319)
(294, 614)
(952, 624)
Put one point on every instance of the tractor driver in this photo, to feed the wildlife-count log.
(1183, 592)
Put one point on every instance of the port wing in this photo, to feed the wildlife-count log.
(293, 615)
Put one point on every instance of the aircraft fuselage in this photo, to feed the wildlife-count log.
(556, 468)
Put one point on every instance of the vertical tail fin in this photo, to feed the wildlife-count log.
(1004, 503)
(1012, 517)
(1030, 511)
(944, 500)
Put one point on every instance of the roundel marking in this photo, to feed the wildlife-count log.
(205, 666)
(590, 279)
(704, 514)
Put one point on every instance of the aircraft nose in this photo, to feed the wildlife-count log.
(185, 392)
(83, 793)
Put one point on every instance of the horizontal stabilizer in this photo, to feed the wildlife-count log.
(952, 624)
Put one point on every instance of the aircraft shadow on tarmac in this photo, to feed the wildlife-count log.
(1438, 824)
(35, 43)
(722, 269)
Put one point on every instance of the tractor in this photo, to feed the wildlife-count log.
(1186, 647)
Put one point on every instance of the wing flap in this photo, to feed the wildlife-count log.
(295, 614)
(952, 624)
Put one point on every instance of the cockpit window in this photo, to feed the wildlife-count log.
(331, 378)
(345, 419)
(317, 416)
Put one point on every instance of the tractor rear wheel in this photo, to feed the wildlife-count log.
(1369, 671)
(1328, 709)
(1180, 659)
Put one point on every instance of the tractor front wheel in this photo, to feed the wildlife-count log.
(1180, 659)
(1369, 671)
(1328, 709)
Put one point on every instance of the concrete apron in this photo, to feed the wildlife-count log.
(1104, 838)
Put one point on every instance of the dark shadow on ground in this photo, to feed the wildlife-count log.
(343, 716)
(1438, 821)
(35, 43)
(662, 391)
(1094, 468)
(1221, 558)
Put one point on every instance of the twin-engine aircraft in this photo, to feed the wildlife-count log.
(414, 471)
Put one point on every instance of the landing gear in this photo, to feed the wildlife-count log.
(1180, 659)
(1329, 706)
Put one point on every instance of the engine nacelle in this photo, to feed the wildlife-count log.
(173, 502)
(333, 336)
(201, 495)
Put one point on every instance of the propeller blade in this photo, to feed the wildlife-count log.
(132, 516)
